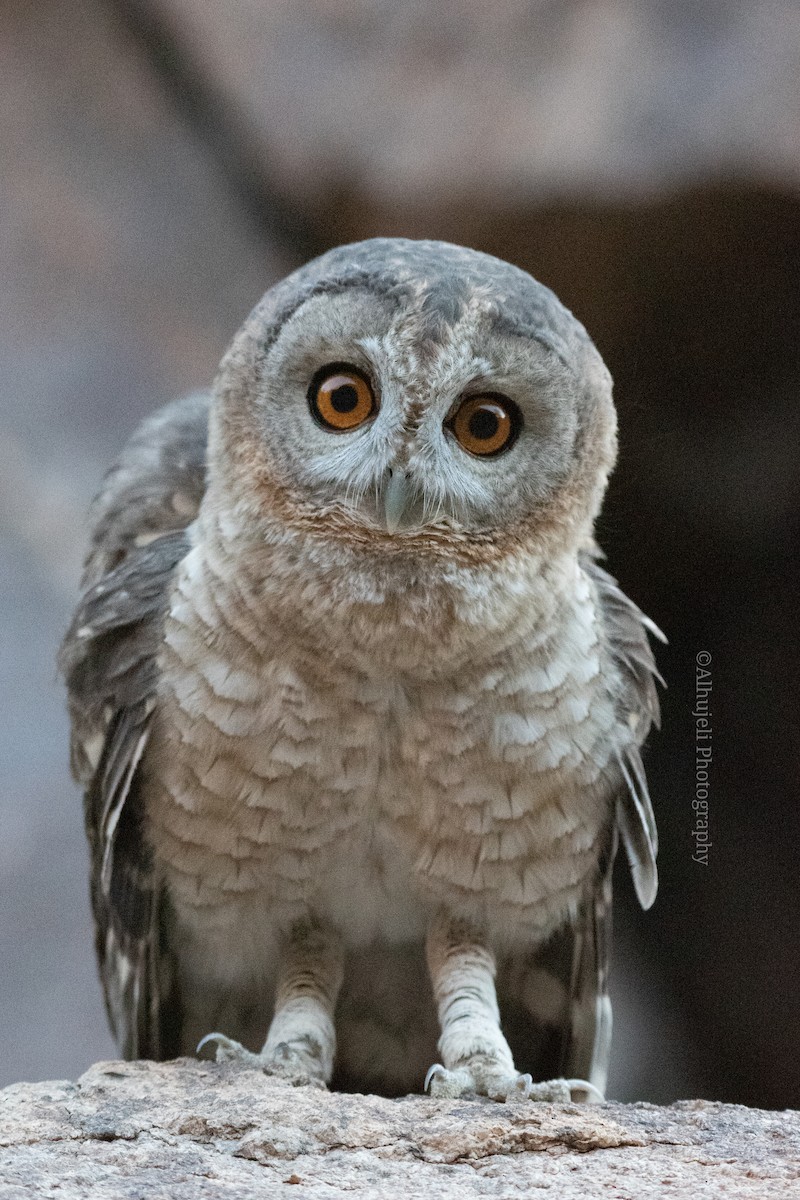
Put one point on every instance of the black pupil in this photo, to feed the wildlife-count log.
(344, 398)
(484, 424)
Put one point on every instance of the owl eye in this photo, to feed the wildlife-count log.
(486, 425)
(341, 397)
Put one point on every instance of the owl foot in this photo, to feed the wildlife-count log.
(499, 1085)
(227, 1050)
(295, 1062)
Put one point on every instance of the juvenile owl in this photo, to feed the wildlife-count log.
(357, 712)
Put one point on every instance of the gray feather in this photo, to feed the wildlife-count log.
(637, 826)
(626, 630)
(555, 1007)
(579, 955)
(109, 661)
(588, 1049)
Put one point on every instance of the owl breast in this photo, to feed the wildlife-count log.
(283, 784)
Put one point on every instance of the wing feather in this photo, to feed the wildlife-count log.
(626, 629)
(587, 1046)
(109, 661)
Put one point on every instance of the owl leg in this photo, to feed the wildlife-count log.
(301, 1041)
(476, 1056)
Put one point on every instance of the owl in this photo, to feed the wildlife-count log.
(357, 711)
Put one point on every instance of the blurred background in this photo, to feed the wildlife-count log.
(162, 163)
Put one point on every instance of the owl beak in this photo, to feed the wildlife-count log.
(396, 495)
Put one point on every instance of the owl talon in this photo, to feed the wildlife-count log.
(446, 1084)
(449, 1085)
(462, 1081)
(593, 1094)
(508, 1089)
(436, 1069)
(285, 1061)
(227, 1050)
(295, 1064)
(560, 1091)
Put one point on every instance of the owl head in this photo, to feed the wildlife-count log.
(410, 396)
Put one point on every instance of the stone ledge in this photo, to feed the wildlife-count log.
(192, 1129)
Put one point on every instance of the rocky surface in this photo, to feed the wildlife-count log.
(193, 1129)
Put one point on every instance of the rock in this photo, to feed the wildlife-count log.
(194, 1129)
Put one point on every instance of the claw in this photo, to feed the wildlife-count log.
(582, 1085)
(220, 1038)
(436, 1069)
(228, 1050)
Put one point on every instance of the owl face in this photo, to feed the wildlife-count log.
(425, 395)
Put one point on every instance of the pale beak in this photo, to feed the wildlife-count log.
(396, 496)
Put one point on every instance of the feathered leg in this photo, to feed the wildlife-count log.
(476, 1056)
(301, 1042)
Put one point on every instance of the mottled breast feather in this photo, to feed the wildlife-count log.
(108, 659)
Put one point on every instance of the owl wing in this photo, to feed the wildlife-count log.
(626, 629)
(554, 1003)
(558, 1012)
(109, 661)
(586, 1054)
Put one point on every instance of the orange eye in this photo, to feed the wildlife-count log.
(486, 425)
(341, 397)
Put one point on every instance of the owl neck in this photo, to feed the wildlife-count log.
(417, 614)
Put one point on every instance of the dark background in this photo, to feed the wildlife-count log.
(163, 163)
